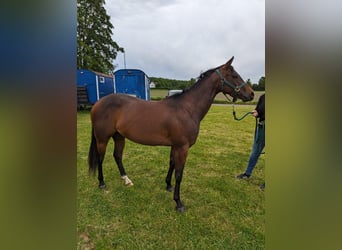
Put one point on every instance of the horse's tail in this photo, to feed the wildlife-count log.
(93, 156)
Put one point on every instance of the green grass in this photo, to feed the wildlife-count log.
(222, 212)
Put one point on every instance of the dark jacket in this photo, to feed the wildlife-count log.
(261, 108)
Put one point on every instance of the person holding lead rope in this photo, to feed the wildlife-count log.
(259, 139)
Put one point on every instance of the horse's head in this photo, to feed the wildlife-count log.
(232, 83)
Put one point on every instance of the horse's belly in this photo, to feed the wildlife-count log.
(147, 135)
(149, 139)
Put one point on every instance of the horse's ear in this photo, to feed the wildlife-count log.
(230, 61)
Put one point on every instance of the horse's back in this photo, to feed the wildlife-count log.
(107, 112)
(111, 103)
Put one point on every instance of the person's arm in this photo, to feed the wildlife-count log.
(259, 109)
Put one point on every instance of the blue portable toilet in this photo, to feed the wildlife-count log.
(132, 82)
(92, 85)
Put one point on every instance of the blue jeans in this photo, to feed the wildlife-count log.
(258, 146)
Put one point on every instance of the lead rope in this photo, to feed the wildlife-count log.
(239, 119)
(234, 113)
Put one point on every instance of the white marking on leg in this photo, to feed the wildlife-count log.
(128, 182)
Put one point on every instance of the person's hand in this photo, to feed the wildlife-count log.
(255, 113)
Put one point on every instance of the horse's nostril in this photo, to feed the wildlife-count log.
(252, 94)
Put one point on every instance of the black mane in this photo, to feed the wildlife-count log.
(201, 77)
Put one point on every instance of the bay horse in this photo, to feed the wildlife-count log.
(173, 121)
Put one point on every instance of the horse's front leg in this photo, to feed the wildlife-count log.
(170, 172)
(180, 155)
(176, 196)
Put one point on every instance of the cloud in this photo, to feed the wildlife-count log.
(179, 39)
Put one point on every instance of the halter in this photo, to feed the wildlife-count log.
(234, 87)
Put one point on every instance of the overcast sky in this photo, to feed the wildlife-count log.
(179, 39)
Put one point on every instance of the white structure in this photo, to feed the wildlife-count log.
(152, 85)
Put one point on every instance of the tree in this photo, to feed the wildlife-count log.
(261, 83)
(96, 49)
(260, 86)
(249, 82)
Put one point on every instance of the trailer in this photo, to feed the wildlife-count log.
(92, 85)
(132, 82)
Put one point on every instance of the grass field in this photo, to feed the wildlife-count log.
(222, 212)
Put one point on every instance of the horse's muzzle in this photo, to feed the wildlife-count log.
(247, 97)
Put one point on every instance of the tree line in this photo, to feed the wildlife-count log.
(165, 83)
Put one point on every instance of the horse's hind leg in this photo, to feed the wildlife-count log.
(101, 147)
(170, 172)
(119, 145)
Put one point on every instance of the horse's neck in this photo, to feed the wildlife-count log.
(200, 97)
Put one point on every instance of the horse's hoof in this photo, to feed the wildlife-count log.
(128, 182)
(169, 189)
(102, 186)
(180, 209)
